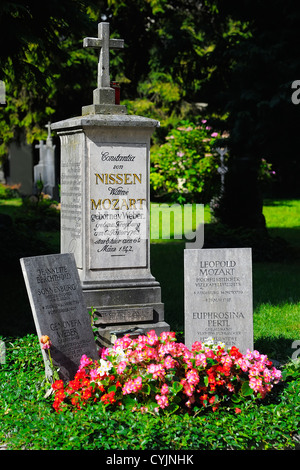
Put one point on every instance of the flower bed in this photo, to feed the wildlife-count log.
(151, 374)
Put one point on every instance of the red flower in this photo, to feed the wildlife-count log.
(108, 398)
(235, 352)
(203, 399)
(58, 385)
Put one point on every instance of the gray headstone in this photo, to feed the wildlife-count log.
(20, 167)
(218, 296)
(59, 311)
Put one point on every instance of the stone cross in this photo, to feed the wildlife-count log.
(49, 138)
(103, 94)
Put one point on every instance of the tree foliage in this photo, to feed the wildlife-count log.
(42, 64)
(240, 57)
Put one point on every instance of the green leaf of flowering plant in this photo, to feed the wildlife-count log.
(176, 387)
(246, 390)
(173, 408)
(236, 398)
(146, 389)
(129, 402)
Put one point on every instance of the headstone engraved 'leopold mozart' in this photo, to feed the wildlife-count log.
(218, 296)
(59, 311)
(105, 206)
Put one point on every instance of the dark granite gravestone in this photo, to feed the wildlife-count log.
(59, 311)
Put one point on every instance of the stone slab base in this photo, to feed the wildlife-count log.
(132, 310)
(107, 336)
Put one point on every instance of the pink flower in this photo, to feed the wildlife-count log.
(123, 342)
(169, 363)
(197, 346)
(168, 335)
(226, 361)
(104, 353)
(142, 339)
(169, 348)
(84, 362)
(192, 377)
(256, 354)
(45, 341)
(210, 354)
(267, 375)
(276, 374)
(157, 370)
(255, 383)
(152, 338)
(121, 367)
(188, 389)
(164, 389)
(190, 401)
(94, 374)
(244, 364)
(214, 134)
(162, 401)
(132, 386)
(200, 360)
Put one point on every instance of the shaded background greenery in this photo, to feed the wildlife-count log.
(239, 57)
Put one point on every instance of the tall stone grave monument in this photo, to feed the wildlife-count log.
(105, 206)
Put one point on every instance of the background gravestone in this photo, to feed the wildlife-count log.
(59, 311)
(44, 171)
(218, 296)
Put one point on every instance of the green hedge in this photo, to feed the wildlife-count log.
(28, 421)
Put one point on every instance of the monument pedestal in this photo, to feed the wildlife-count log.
(105, 220)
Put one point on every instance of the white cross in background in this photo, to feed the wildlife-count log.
(49, 138)
(222, 170)
(104, 43)
(48, 127)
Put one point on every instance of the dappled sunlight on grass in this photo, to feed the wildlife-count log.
(284, 213)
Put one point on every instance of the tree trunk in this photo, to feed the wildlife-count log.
(241, 204)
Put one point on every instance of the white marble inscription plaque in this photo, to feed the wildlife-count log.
(118, 215)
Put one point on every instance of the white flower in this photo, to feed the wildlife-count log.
(105, 366)
(120, 354)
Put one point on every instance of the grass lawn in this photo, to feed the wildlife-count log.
(27, 420)
(276, 293)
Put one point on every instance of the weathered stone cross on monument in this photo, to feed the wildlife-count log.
(104, 95)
